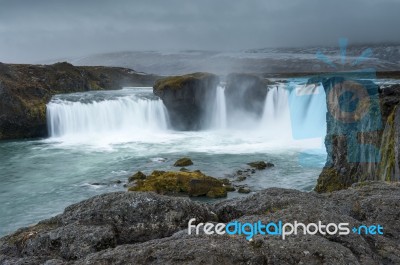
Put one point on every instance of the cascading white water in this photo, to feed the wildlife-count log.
(218, 115)
(133, 115)
(276, 119)
(307, 110)
(291, 111)
(127, 114)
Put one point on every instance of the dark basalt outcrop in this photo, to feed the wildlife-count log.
(146, 228)
(101, 222)
(187, 98)
(362, 138)
(246, 93)
(26, 89)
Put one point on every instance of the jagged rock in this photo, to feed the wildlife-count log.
(183, 162)
(191, 183)
(260, 165)
(146, 228)
(26, 89)
(101, 222)
(187, 98)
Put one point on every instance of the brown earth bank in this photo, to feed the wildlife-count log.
(26, 89)
(147, 228)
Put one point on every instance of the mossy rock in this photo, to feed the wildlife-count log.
(138, 175)
(190, 183)
(183, 162)
(186, 98)
(330, 180)
(180, 82)
(260, 165)
(217, 192)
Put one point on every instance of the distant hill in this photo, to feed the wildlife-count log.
(383, 57)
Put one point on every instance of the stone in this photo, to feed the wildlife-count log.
(138, 175)
(260, 165)
(244, 190)
(183, 162)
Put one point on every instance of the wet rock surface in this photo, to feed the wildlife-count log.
(146, 228)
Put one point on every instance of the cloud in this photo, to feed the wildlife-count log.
(43, 29)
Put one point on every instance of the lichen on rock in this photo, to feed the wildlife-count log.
(177, 182)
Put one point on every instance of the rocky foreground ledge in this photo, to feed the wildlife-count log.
(146, 228)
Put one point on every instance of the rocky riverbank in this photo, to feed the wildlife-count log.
(26, 89)
(146, 228)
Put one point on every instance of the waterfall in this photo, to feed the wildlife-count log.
(291, 111)
(276, 119)
(307, 110)
(218, 118)
(128, 114)
(276, 105)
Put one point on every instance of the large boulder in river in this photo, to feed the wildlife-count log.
(187, 98)
(26, 89)
(246, 92)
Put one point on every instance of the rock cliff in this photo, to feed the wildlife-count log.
(362, 138)
(187, 98)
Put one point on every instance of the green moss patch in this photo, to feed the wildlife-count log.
(190, 183)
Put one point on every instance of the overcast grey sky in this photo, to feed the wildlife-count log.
(32, 31)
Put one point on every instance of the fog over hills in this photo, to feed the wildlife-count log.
(383, 57)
